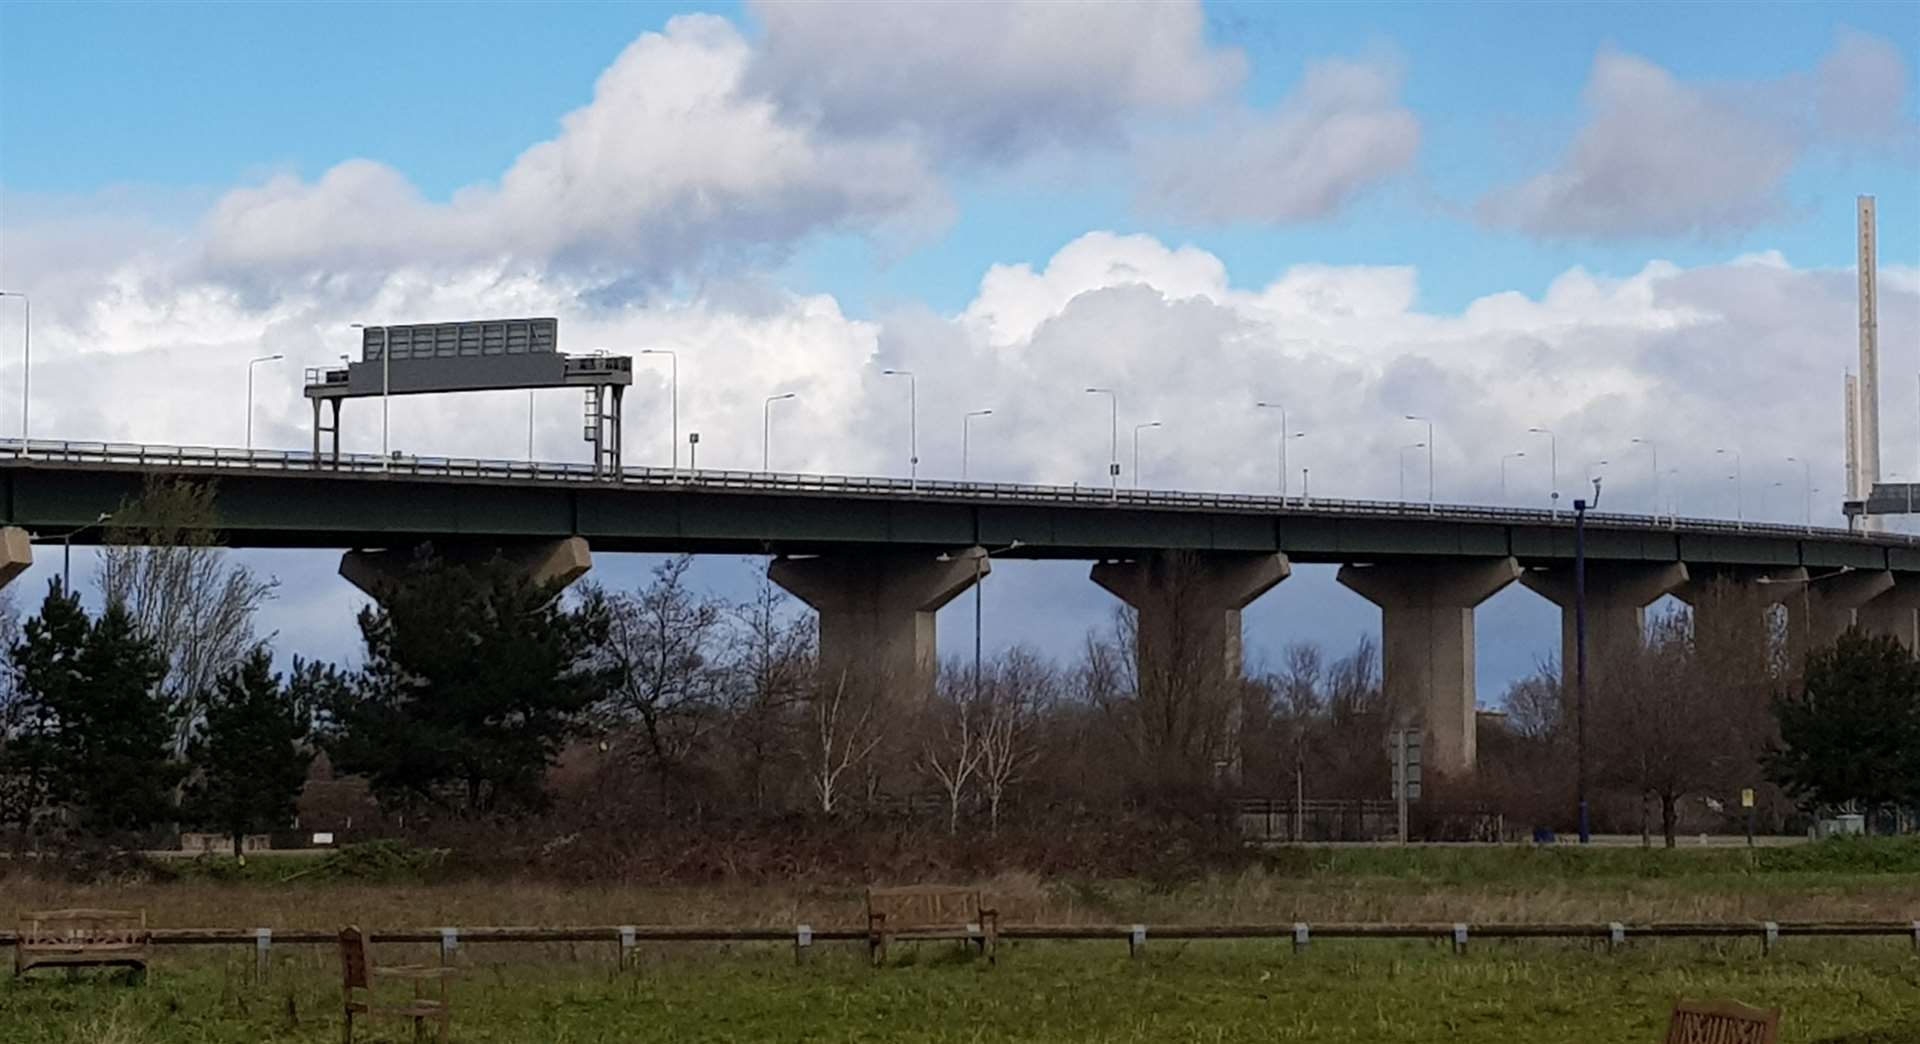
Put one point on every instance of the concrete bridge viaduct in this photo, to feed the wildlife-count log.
(878, 557)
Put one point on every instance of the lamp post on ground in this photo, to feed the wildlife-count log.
(1580, 651)
(673, 404)
(26, 362)
(1113, 445)
(1503, 471)
(1137, 429)
(1553, 467)
(966, 435)
(251, 363)
(913, 426)
(1429, 444)
(766, 429)
(66, 551)
(1739, 499)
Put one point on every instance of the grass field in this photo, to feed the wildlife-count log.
(1840, 991)
(1853, 992)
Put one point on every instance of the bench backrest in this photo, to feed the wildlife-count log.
(83, 929)
(353, 959)
(924, 906)
(1722, 1022)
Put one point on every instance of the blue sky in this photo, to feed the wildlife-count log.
(177, 188)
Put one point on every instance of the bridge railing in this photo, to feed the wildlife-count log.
(272, 460)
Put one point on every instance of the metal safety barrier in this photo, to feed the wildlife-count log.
(18, 453)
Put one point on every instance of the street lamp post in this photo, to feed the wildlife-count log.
(766, 429)
(66, 552)
(1673, 497)
(251, 363)
(1653, 466)
(1113, 444)
(1137, 429)
(1503, 471)
(1429, 444)
(966, 437)
(1580, 652)
(1403, 467)
(1807, 486)
(673, 404)
(1553, 467)
(1739, 500)
(1286, 432)
(913, 427)
(26, 361)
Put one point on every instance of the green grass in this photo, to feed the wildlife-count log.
(1856, 992)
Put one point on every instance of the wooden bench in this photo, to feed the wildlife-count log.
(1722, 1022)
(929, 912)
(81, 939)
(358, 974)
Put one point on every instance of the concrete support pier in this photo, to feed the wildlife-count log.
(1426, 610)
(1189, 606)
(1618, 594)
(877, 611)
(1896, 612)
(549, 561)
(1715, 590)
(16, 553)
(1829, 605)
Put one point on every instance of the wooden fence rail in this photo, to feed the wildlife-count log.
(1135, 935)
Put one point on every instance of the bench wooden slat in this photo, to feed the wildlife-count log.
(81, 937)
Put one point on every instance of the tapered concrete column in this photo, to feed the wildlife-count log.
(555, 561)
(1894, 612)
(1618, 594)
(1426, 614)
(1189, 606)
(16, 553)
(1770, 586)
(877, 611)
(1824, 608)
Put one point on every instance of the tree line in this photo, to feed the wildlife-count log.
(480, 695)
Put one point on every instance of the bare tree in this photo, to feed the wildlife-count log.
(1023, 685)
(768, 673)
(164, 565)
(950, 747)
(1534, 704)
(844, 734)
(666, 685)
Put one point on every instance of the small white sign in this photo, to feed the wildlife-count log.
(323, 838)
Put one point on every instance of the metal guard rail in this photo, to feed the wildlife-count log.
(207, 458)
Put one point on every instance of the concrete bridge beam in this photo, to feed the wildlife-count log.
(877, 611)
(1617, 596)
(1426, 609)
(547, 561)
(1188, 606)
(16, 553)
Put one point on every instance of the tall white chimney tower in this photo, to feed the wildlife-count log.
(1868, 435)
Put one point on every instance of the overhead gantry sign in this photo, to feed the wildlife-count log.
(487, 355)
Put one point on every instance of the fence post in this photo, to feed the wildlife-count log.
(1771, 938)
(802, 942)
(1459, 939)
(262, 953)
(1616, 936)
(1916, 938)
(626, 945)
(1136, 940)
(1300, 936)
(449, 942)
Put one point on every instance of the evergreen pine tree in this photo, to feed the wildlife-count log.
(250, 757)
(1852, 735)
